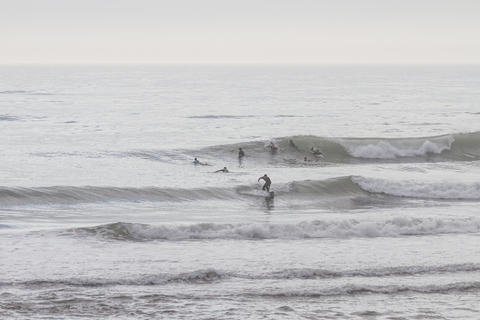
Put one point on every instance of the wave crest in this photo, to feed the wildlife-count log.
(351, 228)
(349, 290)
(293, 149)
(420, 189)
(347, 187)
(213, 275)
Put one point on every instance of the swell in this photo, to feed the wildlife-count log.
(25, 92)
(213, 275)
(347, 187)
(88, 194)
(350, 290)
(292, 150)
(339, 229)
(7, 117)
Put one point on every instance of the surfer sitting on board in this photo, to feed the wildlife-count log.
(267, 184)
(224, 170)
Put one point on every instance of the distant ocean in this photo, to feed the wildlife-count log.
(375, 171)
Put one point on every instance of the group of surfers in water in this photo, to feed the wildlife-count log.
(273, 149)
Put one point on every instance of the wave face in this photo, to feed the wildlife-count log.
(213, 275)
(398, 227)
(292, 150)
(343, 188)
(88, 194)
(419, 189)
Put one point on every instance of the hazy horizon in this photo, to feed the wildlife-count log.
(286, 64)
(232, 32)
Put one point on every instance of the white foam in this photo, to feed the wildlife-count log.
(304, 230)
(420, 189)
(397, 149)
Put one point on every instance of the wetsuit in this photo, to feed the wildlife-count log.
(267, 184)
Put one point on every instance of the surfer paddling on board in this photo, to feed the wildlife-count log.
(196, 162)
(267, 184)
(224, 170)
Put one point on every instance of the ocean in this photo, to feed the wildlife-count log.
(375, 172)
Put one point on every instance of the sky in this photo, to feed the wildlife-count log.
(241, 31)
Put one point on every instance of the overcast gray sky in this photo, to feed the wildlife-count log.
(241, 31)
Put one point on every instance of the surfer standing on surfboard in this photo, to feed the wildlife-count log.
(267, 184)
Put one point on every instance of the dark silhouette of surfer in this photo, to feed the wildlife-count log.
(224, 170)
(197, 162)
(241, 154)
(267, 184)
(273, 147)
(293, 145)
(316, 152)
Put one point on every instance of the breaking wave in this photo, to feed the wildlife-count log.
(351, 228)
(213, 275)
(419, 189)
(292, 150)
(348, 187)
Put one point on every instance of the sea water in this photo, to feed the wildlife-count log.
(104, 215)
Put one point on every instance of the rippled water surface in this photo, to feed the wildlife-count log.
(376, 181)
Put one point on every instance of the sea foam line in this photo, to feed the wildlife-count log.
(421, 189)
(350, 228)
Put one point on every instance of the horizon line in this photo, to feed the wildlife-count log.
(180, 63)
